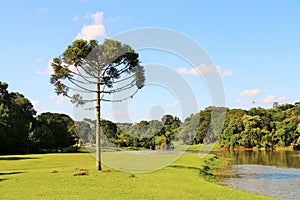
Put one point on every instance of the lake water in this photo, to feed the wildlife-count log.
(274, 174)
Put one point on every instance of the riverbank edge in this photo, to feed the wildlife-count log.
(217, 168)
(290, 148)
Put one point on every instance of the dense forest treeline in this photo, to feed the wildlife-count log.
(232, 128)
(21, 131)
(277, 127)
(152, 134)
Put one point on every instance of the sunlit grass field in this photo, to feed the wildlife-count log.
(51, 176)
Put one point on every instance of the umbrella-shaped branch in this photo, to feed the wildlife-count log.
(99, 69)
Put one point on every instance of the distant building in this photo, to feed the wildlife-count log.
(275, 105)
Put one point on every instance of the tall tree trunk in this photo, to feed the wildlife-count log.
(98, 130)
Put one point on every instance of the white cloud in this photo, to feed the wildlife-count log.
(58, 99)
(271, 99)
(174, 104)
(91, 32)
(203, 69)
(224, 72)
(97, 17)
(267, 100)
(227, 72)
(94, 30)
(182, 70)
(36, 104)
(48, 71)
(282, 99)
(250, 93)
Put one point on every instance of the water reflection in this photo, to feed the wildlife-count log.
(275, 174)
(270, 181)
(289, 159)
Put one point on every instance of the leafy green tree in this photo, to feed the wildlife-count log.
(266, 140)
(280, 135)
(85, 132)
(170, 129)
(16, 120)
(204, 123)
(251, 135)
(4, 132)
(160, 142)
(101, 69)
(258, 127)
(154, 128)
(188, 128)
(232, 128)
(4, 116)
(110, 130)
(54, 131)
(43, 136)
(22, 113)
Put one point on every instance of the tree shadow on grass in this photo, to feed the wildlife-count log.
(16, 158)
(184, 167)
(6, 174)
(9, 173)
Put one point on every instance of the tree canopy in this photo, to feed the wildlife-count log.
(254, 128)
(54, 131)
(262, 128)
(99, 69)
(22, 132)
(85, 65)
(16, 117)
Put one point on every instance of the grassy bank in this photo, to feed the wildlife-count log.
(54, 176)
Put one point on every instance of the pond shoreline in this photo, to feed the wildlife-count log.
(246, 169)
(259, 149)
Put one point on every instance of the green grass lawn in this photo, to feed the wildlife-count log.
(51, 176)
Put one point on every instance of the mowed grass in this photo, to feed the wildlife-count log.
(51, 176)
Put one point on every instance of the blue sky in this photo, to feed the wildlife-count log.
(254, 44)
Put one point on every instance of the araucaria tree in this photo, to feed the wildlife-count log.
(99, 69)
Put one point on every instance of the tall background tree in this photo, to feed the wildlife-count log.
(21, 132)
(54, 131)
(100, 69)
(16, 117)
